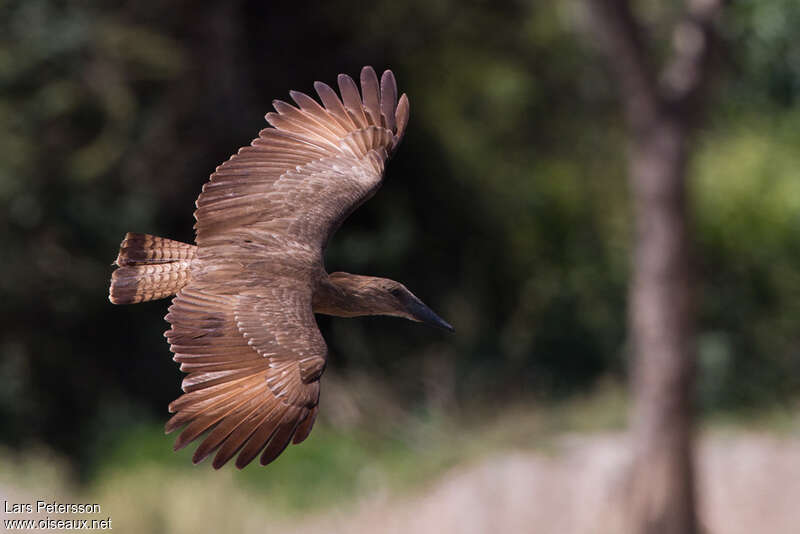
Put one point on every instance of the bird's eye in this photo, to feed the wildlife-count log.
(395, 292)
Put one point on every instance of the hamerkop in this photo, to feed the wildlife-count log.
(243, 324)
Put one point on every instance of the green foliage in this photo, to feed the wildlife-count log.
(339, 465)
(505, 208)
(747, 204)
(766, 66)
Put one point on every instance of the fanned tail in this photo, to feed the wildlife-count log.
(150, 268)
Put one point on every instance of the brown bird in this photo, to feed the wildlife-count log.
(243, 324)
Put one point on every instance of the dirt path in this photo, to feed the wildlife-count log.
(747, 483)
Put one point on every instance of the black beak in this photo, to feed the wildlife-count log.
(424, 314)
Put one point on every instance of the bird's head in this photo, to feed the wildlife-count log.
(381, 296)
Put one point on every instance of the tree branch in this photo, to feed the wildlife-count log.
(646, 91)
(693, 42)
(622, 39)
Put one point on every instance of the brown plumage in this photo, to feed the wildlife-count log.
(243, 324)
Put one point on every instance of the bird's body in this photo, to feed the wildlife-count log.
(243, 324)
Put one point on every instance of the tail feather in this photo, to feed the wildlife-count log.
(150, 268)
(138, 249)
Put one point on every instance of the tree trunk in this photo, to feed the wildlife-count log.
(662, 489)
(660, 108)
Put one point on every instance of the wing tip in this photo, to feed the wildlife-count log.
(368, 70)
(218, 465)
(345, 79)
(305, 426)
(180, 443)
(401, 119)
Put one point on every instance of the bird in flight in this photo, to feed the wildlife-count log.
(242, 321)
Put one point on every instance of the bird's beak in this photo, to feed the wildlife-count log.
(420, 312)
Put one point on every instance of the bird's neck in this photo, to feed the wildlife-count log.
(345, 295)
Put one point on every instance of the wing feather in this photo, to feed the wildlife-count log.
(370, 91)
(388, 99)
(258, 440)
(316, 161)
(242, 402)
(218, 404)
(305, 427)
(323, 117)
(281, 438)
(352, 100)
(223, 430)
(401, 116)
(242, 432)
(323, 127)
(334, 106)
(200, 422)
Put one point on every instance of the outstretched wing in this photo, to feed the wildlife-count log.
(244, 328)
(299, 180)
(253, 362)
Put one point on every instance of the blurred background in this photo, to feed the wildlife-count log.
(505, 209)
